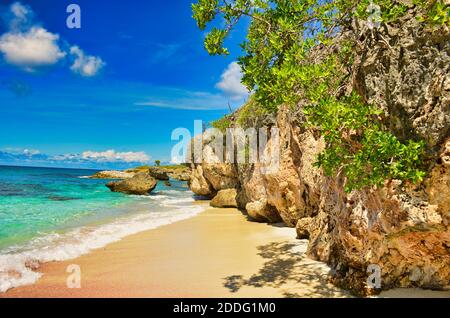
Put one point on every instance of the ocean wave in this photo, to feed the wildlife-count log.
(16, 263)
(176, 201)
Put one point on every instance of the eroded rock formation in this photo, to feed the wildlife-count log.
(140, 184)
(225, 199)
(401, 227)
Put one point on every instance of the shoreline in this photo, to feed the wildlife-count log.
(217, 253)
(18, 263)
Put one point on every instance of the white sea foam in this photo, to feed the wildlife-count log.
(14, 262)
(176, 201)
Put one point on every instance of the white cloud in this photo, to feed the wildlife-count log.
(164, 97)
(231, 84)
(113, 156)
(90, 159)
(17, 17)
(66, 157)
(20, 15)
(29, 46)
(31, 152)
(26, 46)
(32, 49)
(20, 11)
(85, 65)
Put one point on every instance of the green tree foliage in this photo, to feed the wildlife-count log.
(157, 163)
(222, 124)
(251, 114)
(437, 13)
(281, 65)
(360, 147)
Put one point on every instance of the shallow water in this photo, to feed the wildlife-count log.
(56, 214)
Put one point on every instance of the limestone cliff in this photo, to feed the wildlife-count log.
(403, 228)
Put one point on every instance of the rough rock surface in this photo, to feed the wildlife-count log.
(210, 176)
(438, 185)
(163, 173)
(158, 173)
(141, 184)
(225, 199)
(199, 184)
(402, 228)
(406, 73)
(183, 175)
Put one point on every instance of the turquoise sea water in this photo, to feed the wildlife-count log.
(54, 214)
(37, 200)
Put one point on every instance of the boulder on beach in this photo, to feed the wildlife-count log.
(225, 199)
(140, 184)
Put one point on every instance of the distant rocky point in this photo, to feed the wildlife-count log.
(112, 175)
(163, 173)
(158, 173)
(142, 180)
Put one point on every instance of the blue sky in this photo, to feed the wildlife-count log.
(110, 92)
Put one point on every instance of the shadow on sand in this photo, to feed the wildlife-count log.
(286, 267)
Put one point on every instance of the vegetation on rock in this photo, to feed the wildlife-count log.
(282, 64)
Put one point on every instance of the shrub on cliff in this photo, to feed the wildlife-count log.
(222, 124)
(284, 63)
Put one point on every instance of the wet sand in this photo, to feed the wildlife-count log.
(218, 253)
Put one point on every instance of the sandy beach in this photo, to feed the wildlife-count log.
(218, 253)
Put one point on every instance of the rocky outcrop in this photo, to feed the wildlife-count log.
(406, 73)
(140, 184)
(199, 184)
(163, 173)
(180, 175)
(392, 227)
(158, 173)
(210, 176)
(225, 199)
(112, 175)
(438, 185)
(401, 228)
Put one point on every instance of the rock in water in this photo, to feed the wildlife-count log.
(225, 199)
(158, 173)
(141, 184)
